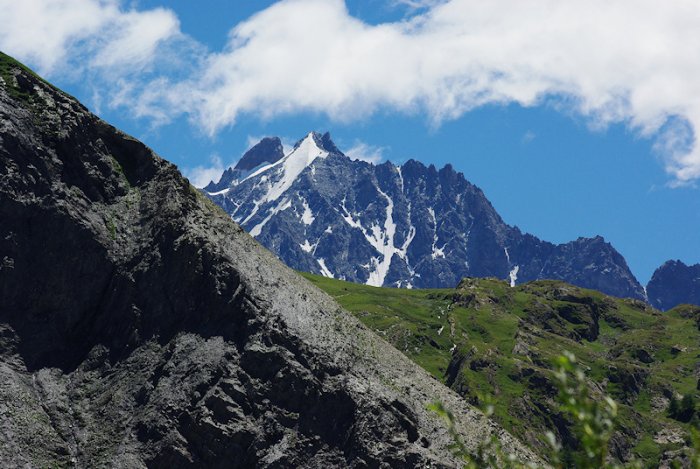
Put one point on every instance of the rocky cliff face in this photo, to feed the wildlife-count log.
(401, 226)
(140, 327)
(674, 283)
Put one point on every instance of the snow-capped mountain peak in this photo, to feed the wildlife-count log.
(285, 171)
(305, 152)
(408, 226)
(264, 153)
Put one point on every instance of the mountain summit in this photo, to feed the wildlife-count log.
(401, 226)
(268, 150)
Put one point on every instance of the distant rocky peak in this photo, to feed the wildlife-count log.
(307, 150)
(594, 239)
(327, 144)
(413, 167)
(268, 150)
(322, 141)
(674, 283)
(674, 264)
(227, 178)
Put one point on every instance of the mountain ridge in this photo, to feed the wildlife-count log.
(405, 226)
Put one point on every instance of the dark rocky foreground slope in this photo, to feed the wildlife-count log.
(674, 283)
(399, 226)
(140, 327)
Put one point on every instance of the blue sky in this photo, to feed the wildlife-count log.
(570, 123)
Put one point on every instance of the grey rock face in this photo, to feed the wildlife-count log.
(140, 327)
(674, 283)
(401, 226)
(268, 150)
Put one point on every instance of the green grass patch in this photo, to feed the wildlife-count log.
(502, 341)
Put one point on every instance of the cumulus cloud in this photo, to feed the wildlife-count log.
(414, 5)
(365, 152)
(63, 34)
(608, 60)
(611, 61)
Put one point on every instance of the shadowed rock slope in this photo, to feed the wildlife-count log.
(140, 327)
(674, 283)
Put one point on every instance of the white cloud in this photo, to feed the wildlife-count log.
(200, 176)
(608, 60)
(364, 152)
(416, 4)
(134, 38)
(65, 34)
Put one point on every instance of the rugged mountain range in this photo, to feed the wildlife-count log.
(401, 226)
(674, 283)
(140, 327)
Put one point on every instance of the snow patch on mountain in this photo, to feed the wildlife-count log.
(349, 218)
(308, 216)
(403, 252)
(288, 169)
(513, 275)
(324, 270)
(222, 192)
(437, 252)
(383, 242)
(257, 229)
(409, 239)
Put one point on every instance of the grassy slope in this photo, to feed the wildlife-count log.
(486, 338)
(19, 89)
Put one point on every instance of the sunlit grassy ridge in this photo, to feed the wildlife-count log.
(485, 338)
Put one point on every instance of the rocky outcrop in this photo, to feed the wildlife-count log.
(401, 226)
(674, 283)
(268, 150)
(140, 327)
